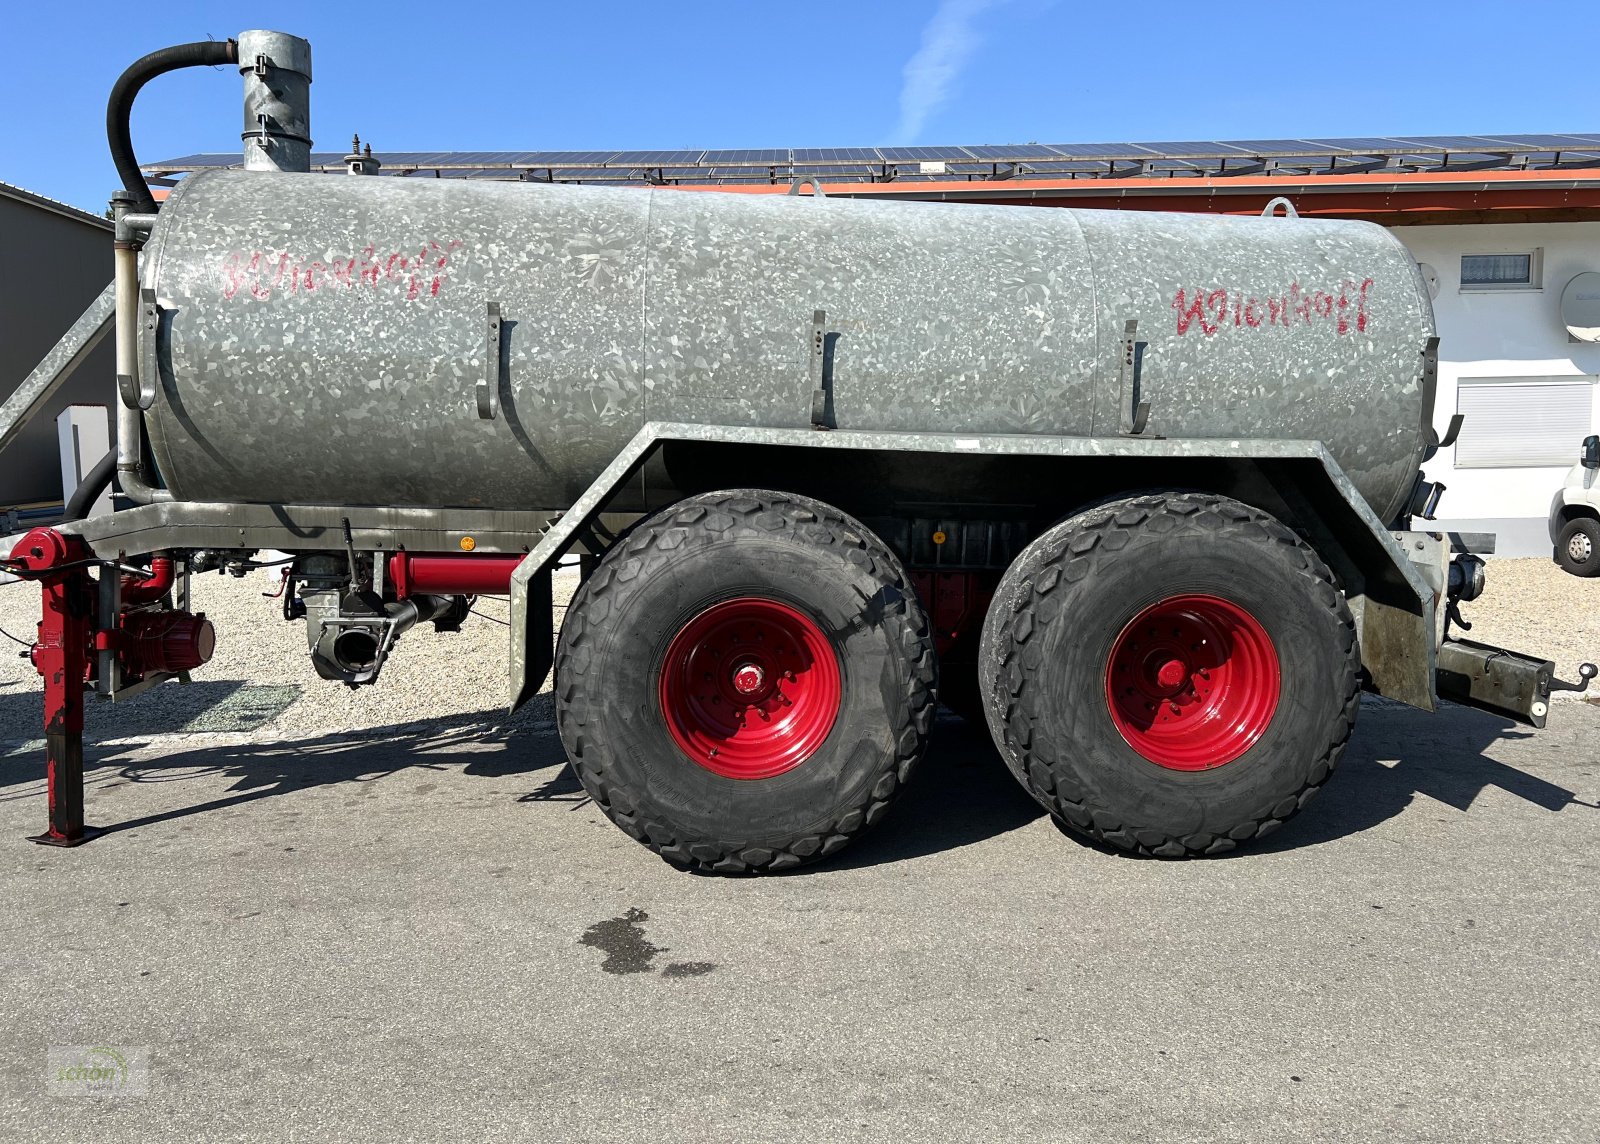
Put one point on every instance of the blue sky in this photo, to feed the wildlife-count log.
(812, 73)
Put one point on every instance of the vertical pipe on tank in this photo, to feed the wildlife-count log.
(277, 101)
(131, 231)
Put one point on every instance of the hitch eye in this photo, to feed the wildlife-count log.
(1586, 672)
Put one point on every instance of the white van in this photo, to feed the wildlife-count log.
(1575, 514)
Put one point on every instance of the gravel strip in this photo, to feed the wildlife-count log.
(261, 681)
(1532, 606)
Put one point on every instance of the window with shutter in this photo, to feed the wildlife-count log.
(1522, 422)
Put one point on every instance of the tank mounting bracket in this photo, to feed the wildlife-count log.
(1130, 371)
(821, 381)
(489, 383)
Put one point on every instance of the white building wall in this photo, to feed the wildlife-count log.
(1512, 334)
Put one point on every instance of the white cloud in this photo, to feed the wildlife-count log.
(948, 40)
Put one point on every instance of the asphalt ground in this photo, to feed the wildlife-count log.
(424, 931)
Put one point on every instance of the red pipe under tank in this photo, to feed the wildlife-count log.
(438, 575)
(152, 588)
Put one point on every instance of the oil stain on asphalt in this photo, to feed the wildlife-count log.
(627, 950)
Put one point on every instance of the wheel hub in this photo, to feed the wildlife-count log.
(749, 679)
(1192, 682)
(1580, 547)
(1173, 675)
(750, 688)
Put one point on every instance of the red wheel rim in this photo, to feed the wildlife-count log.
(750, 688)
(1193, 682)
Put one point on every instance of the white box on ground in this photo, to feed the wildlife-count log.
(84, 434)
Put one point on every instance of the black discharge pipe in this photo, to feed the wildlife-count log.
(206, 53)
(89, 489)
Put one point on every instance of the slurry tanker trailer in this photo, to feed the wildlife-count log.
(1133, 489)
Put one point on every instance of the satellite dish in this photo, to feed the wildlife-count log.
(1431, 277)
(1580, 307)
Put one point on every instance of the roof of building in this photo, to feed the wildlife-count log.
(1011, 162)
(1432, 180)
(17, 194)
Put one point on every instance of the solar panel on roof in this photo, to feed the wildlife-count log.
(751, 158)
(1491, 144)
(836, 155)
(1549, 142)
(1182, 150)
(411, 158)
(1015, 151)
(567, 158)
(1362, 145)
(921, 154)
(1096, 150)
(1450, 142)
(835, 170)
(1066, 166)
(199, 161)
(656, 158)
(1282, 146)
(479, 159)
(1022, 160)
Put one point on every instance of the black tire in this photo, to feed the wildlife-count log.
(1063, 607)
(702, 552)
(1578, 547)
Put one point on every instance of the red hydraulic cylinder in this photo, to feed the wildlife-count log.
(62, 656)
(439, 575)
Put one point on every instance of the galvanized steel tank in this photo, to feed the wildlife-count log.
(321, 338)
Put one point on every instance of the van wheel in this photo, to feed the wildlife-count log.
(746, 682)
(1578, 547)
(1170, 674)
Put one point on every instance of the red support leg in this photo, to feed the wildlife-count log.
(62, 656)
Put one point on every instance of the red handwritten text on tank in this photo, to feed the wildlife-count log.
(1211, 310)
(420, 272)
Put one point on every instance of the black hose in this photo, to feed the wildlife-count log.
(94, 482)
(206, 53)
